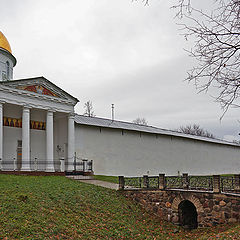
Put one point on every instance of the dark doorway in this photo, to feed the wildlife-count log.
(187, 215)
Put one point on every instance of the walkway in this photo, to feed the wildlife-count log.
(101, 184)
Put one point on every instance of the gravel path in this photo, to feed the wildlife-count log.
(101, 183)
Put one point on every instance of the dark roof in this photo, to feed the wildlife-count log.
(108, 123)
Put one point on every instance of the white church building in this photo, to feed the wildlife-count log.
(40, 132)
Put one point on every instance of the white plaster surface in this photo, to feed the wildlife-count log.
(11, 135)
(3, 67)
(131, 153)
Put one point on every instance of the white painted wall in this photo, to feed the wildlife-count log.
(130, 153)
(10, 137)
(60, 137)
(11, 134)
(3, 66)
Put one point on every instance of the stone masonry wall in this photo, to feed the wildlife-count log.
(212, 208)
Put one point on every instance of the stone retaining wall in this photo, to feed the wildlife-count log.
(212, 209)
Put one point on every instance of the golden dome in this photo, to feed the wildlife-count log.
(4, 43)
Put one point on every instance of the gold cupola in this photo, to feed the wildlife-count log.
(4, 43)
(7, 60)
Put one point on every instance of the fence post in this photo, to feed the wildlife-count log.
(62, 164)
(145, 181)
(185, 181)
(0, 164)
(237, 182)
(14, 164)
(35, 164)
(121, 182)
(162, 184)
(216, 184)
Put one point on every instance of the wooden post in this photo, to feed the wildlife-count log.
(185, 181)
(237, 182)
(162, 184)
(145, 181)
(216, 184)
(121, 182)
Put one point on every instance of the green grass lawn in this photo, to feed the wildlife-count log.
(60, 208)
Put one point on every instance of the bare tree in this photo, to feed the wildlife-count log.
(89, 109)
(217, 43)
(140, 121)
(216, 48)
(195, 129)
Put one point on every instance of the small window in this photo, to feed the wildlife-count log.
(4, 76)
(8, 70)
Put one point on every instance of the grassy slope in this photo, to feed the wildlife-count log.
(59, 208)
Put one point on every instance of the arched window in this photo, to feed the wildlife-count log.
(8, 70)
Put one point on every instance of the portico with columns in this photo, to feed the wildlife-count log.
(36, 130)
(36, 121)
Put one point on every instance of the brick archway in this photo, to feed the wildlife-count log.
(187, 215)
(177, 200)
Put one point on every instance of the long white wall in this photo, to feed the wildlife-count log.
(129, 153)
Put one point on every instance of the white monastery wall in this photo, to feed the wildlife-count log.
(130, 153)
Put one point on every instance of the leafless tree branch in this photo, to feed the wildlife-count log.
(88, 106)
(140, 121)
(216, 48)
(195, 129)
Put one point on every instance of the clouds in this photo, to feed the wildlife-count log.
(112, 51)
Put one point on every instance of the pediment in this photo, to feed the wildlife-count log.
(40, 86)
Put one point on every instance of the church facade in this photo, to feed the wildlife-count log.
(36, 118)
(39, 131)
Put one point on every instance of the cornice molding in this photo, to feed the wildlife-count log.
(43, 82)
(32, 95)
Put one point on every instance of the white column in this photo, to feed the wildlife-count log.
(1, 133)
(26, 139)
(71, 143)
(49, 142)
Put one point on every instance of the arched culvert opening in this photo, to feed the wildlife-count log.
(187, 213)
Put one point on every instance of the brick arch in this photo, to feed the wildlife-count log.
(177, 200)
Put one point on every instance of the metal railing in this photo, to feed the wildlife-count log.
(214, 183)
(228, 183)
(201, 183)
(175, 182)
(59, 165)
(133, 182)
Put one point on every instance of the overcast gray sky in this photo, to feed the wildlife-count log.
(113, 51)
